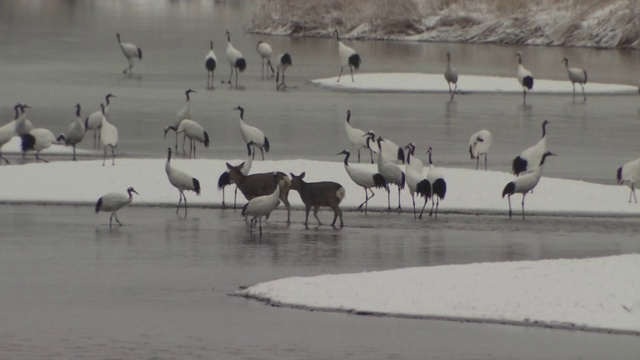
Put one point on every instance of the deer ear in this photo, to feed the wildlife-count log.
(241, 165)
(229, 166)
(292, 176)
(302, 175)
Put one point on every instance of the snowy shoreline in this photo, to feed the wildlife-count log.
(567, 294)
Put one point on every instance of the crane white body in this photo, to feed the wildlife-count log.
(37, 140)
(130, 51)
(265, 52)
(196, 134)
(224, 180)
(108, 137)
(438, 185)
(210, 63)
(113, 202)
(391, 173)
(184, 113)
(390, 150)
(75, 132)
(365, 177)
(181, 181)
(479, 144)
(525, 78)
(629, 173)
(348, 57)
(261, 206)
(283, 63)
(8, 130)
(416, 182)
(357, 137)
(524, 183)
(412, 160)
(235, 58)
(23, 125)
(252, 134)
(451, 75)
(527, 161)
(94, 120)
(576, 75)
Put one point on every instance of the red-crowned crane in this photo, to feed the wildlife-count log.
(113, 202)
(75, 132)
(129, 51)
(365, 178)
(282, 64)
(109, 137)
(451, 75)
(236, 60)
(357, 137)
(576, 75)
(94, 121)
(416, 182)
(210, 63)
(438, 185)
(524, 77)
(261, 206)
(181, 181)
(348, 57)
(629, 173)
(265, 52)
(479, 144)
(524, 183)
(253, 134)
(527, 161)
(391, 173)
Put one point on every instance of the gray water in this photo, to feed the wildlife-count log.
(158, 287)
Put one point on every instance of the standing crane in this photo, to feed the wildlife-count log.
(75, 132)
(348, 57)
(252, 134)
(283, 63)
(525, 78)
(236, 60)
(109, 137)
(479, 144)
(524, 183)
(364, 178)
(113, 202)
(210, 62)
(130, 51)
(451, 75)
(576, 75)
(94, 121)
(265, 52)
(629, 173)
(181, 181)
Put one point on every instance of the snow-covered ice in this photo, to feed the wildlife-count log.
(468, 190)
(435, 83)
(590, 294)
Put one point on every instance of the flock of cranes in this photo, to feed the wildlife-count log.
(389, 157)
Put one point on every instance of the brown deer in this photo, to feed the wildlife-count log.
(255, 185)
(316, 194)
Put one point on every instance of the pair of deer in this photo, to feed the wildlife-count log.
(313, 194)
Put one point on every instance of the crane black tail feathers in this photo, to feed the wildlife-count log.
(266, 144)
(424, 189)
(206, 139)
(139, 53)
(224, 180)
(196, 186)
(440, 188)
(619, 175)
(98, 205)
(519, 165)
(379, 181)
(585, 76)
(210, 64)
(354, 61)
(509, 189)
(241, 64)
(401, 155)
(471, 152)
(402, 181)
(244, 209)
(86, 123)
(28, 141)
(528, 82)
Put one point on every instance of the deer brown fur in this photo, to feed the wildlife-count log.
(255, 185)
(316, 194)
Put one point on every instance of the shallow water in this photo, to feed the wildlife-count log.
(157, 287)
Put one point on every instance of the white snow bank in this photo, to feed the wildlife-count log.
(435, 83)
(597, 294)
(83, 182)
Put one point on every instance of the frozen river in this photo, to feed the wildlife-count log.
(158, 287)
